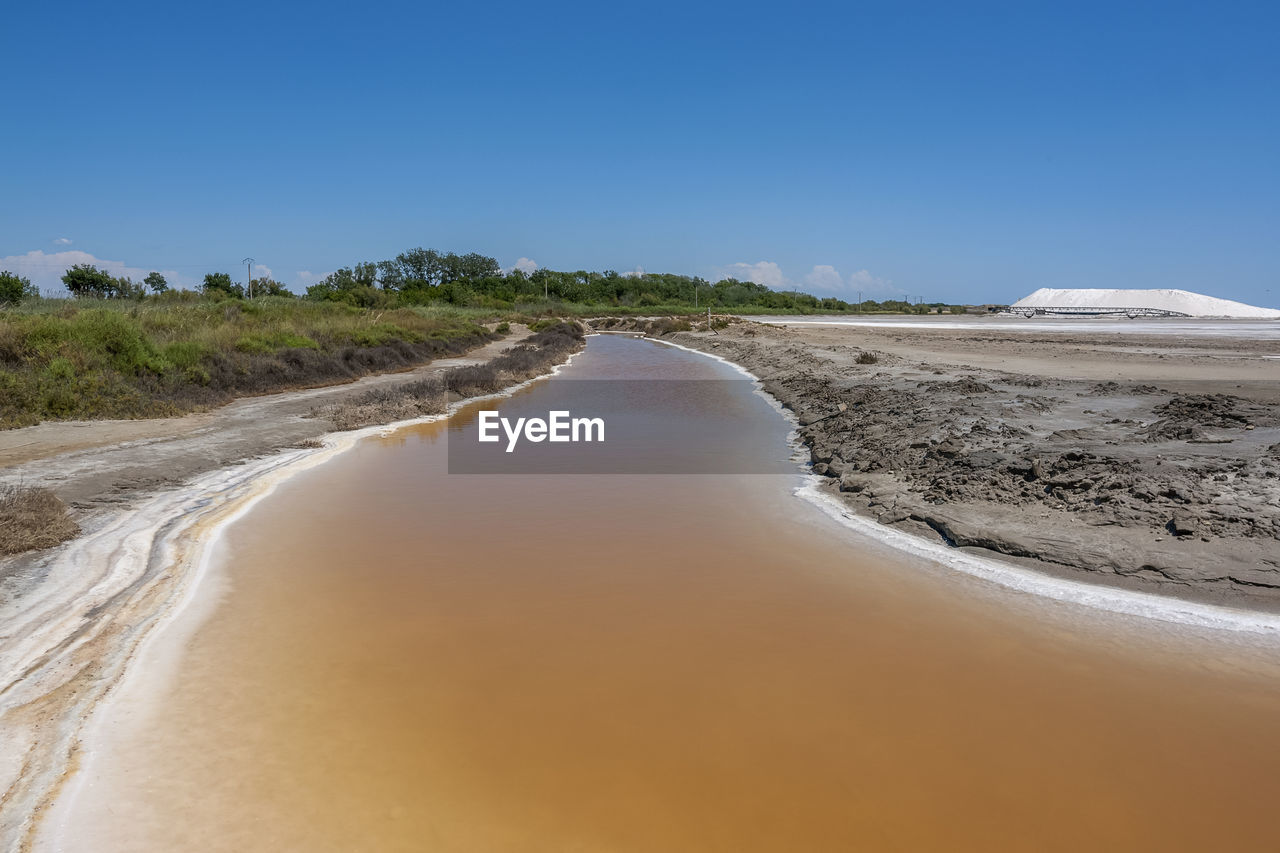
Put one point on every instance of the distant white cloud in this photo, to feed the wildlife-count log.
(870, 285)
(45, 270)
(528, 266)
(263, 271)
(306, 278)
(635, 273)
(63, 241)
(762, 272)
(822, 279)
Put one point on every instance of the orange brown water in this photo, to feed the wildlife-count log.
(408, 660)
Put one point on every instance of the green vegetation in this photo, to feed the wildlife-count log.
(93, 358)
(14, 288)
(156, 282)
(424, 277)
(427, 277)
(120, 348)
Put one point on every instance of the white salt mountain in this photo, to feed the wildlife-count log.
(1181, 301)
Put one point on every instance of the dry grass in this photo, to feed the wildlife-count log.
(32, 517)
(385, 405)
(400, 402)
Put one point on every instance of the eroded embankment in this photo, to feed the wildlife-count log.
(1126, 484)
(76, 618)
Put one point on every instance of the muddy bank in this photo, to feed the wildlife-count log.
(73, 617)
(1168, 484)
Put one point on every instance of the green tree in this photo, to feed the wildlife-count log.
(126, 288)
(14, 288)
(87, 281)
(270, 287)
(156, 282)
(417, 268)
(352, 286)
(220, 284)
(468, 266)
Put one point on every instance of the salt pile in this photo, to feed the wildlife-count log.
(1181, 301)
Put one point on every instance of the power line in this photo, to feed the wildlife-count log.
(99, 261)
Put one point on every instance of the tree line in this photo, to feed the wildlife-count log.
(425, 276)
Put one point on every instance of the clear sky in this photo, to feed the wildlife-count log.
(955, 151)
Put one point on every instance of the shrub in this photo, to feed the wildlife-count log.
(118, 338)
(220, 284)
(668, 325)
(473, 380)
(61, 370)
(380, 334)
(260, 343)
(184, 354)
(384, 405)
(503, 328)
(866, 357)
(14, 288)
(32, 518)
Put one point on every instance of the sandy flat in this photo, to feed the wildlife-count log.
(1140, 460)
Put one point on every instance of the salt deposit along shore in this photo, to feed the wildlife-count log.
(151, 497)
(1143, 462)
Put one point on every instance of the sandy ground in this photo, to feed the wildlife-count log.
(1144, 461)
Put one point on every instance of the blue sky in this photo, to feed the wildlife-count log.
(959, 152)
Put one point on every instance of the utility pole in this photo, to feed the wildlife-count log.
(248, 271)
(859, 301)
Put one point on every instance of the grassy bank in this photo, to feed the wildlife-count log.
(86, 358)
(81, 359)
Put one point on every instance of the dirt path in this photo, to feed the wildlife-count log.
(92, 464)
